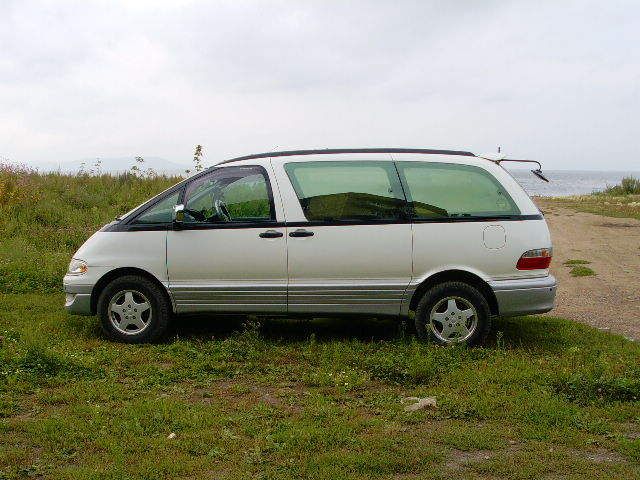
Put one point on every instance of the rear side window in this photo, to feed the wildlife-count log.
(347, 191)
(437, 190)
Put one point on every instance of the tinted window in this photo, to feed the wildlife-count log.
(231, 194)
(347, 190)
(161, 212)
(450, 190)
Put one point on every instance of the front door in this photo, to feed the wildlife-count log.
(350, 249)
(231, 253)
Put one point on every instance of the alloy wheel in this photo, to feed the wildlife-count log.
(130, 312)
(453, 319)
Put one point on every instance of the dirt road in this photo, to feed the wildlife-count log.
(611, 299)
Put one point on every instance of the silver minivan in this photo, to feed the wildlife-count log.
(447, 235)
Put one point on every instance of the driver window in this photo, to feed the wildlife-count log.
(230, 194)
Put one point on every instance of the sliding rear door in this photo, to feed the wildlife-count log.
(352, 251)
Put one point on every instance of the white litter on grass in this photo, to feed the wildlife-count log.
(419, 403)
(171, 436)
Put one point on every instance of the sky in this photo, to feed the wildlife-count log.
(554, 81)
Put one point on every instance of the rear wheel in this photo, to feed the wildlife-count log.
(133, 309)
(453, 313)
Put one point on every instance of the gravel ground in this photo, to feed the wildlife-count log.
(610, 299)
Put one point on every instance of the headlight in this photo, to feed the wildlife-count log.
(77, 267)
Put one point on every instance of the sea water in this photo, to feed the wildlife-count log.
(568, 182)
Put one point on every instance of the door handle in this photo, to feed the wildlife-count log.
(271, 234)
(301, 232)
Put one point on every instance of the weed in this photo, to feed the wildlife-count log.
(607, 204)
(581, 271)
(47, 217)
(628, 186)
(569, 263)
(197, 158)
(585, 386)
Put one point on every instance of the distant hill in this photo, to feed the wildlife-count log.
(114, 165)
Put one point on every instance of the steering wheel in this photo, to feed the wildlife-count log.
(199, 216)
(222, 210)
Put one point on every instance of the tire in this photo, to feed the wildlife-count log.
(448, 324)
(122, 321)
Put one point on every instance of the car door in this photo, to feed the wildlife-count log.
(230, 254)
(349, 247)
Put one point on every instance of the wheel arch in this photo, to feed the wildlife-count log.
(120, 272)
(458, 276)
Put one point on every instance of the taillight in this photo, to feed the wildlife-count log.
(537, 259)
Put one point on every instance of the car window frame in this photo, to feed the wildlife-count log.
(157, 201)
(401, 215)
(131, 221)
(128, 222)
(516, 215)
(242, 224)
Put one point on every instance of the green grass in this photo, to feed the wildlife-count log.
(547, 398)
(582, 271)
(627, 206)
(622, 201)
(628, 186)
(299, 399)
(44, 218)
(576, 262)
(578, 268)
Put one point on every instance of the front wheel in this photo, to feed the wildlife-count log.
(453, 313)
(133, 309)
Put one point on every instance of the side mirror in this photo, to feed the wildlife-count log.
(178, 216)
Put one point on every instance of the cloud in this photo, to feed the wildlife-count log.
(552, 81)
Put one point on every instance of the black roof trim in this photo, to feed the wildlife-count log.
(329, 151)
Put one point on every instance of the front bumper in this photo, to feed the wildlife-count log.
(78, 298)
(525, 296)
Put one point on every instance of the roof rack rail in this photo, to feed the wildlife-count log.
(329, 151)
(497, 159)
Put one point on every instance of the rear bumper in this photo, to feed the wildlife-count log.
(78, 299)
(525, 296)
